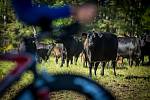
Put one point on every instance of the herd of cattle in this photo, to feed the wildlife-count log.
(94, 48)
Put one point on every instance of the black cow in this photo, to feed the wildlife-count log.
(43, 54)
(100, 47)
(145, 47)
(73, 47)
(42, 51)
(129, 47)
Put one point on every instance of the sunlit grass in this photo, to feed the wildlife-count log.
(131, 83)
(5, 67)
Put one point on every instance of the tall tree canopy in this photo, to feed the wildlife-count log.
(130, 17)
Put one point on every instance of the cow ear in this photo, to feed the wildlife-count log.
(52, 43)
(100, 35)
(84, 34)
(95, 34)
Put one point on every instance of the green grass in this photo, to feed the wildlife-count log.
(131, 83)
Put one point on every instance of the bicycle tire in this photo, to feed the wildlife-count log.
(77, 83)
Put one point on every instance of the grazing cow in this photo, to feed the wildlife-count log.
(73, 47)
(100, 47)
(44, 53)
(145, 47)
(129, 47)
(59, 52)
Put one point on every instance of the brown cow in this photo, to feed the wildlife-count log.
(59, 52)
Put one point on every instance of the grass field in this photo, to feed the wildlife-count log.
(131, 83)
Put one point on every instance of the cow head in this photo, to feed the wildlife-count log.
(29, 40)
(148, 38)
(91, 38)
(145, 38)
(30, 44)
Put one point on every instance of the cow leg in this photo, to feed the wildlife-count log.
(122, 64)
(39, 60)
(76, 59)
(61, 65)
(130, 61)
(103, 65)
(85, 62)
(95, 67)
(64, 56)
(62, 60)
(142, 59)
(137, 61)
(133, 57)
(109, 63)
(56, 60)
(149, 60)
(114, 67)
(90, 69)
(47, 58)
(67, 61)
(71, 60)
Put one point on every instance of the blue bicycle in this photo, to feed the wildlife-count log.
(43, 82)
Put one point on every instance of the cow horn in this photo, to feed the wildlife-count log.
(100, 35)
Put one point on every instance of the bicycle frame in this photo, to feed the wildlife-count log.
(23, 63)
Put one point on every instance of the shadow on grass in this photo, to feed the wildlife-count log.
(120, 75)
(138, 77)
(122, 67)
(117, 67)
(146, 64)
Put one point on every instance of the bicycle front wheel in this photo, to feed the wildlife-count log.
(68, 82)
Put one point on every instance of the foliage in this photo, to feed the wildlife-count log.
(118, 16)
(146, 19)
